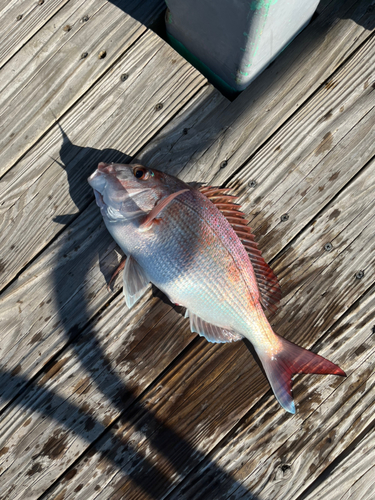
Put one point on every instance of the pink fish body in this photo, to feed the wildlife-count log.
(195, 246)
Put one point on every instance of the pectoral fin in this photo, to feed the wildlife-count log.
(159, 207)
(211, 332)
(135, 281)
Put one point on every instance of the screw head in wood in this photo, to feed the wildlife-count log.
(159, 106)
(284, 217)
(124, 77)
(19, 17)
(85, 19)
(84, 55)
(252, 184)
(223, 164)
(328, 247)
(359, 274)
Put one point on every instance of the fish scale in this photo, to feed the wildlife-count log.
(176, 237)
(210, 286)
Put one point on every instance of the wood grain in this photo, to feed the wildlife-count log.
(84, 390)
(170, 415)
(57, 76)
(314, 155)
(352, 477)
(57, 295)
(283, 88)
(20, 20)
(61, 292)
(36, 15)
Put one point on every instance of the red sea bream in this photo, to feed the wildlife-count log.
(195, 245)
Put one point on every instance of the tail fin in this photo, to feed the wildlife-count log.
(289, 360)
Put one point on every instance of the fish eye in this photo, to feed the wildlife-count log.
(141, 173)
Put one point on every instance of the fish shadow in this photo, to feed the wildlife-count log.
(165, 440)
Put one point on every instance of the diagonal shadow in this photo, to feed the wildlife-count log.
(138, 468)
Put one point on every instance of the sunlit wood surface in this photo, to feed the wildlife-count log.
(101, 402)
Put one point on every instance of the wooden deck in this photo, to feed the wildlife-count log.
(101, 402)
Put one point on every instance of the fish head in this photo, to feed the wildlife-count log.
(125, 192)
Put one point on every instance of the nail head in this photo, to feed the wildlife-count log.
(359, 274)
(67, 28)
(252, 184)
(159, 106)
(328, 247)
(124, 77)
(284, 217)
(84, 55)
(84, 19)
(102, 54)
(223, 164)
(19, 17)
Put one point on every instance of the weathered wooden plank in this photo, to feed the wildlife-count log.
(352, 477)
(123, 114)
(281, 89)
(224, 387)
(306, 163)
(16, 32)
(182, 467)
(217, 469)
(321, 437)
(57, 76)
(20, 20)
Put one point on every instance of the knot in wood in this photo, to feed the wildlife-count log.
(283, 471)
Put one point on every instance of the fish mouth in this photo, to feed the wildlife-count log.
(99, 199)
(103, 168)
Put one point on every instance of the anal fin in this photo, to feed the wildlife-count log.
(211, 332)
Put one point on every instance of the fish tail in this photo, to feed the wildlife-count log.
(289, 359)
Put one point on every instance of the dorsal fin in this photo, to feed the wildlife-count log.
(268, 284)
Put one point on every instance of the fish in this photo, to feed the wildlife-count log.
(195, 245)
